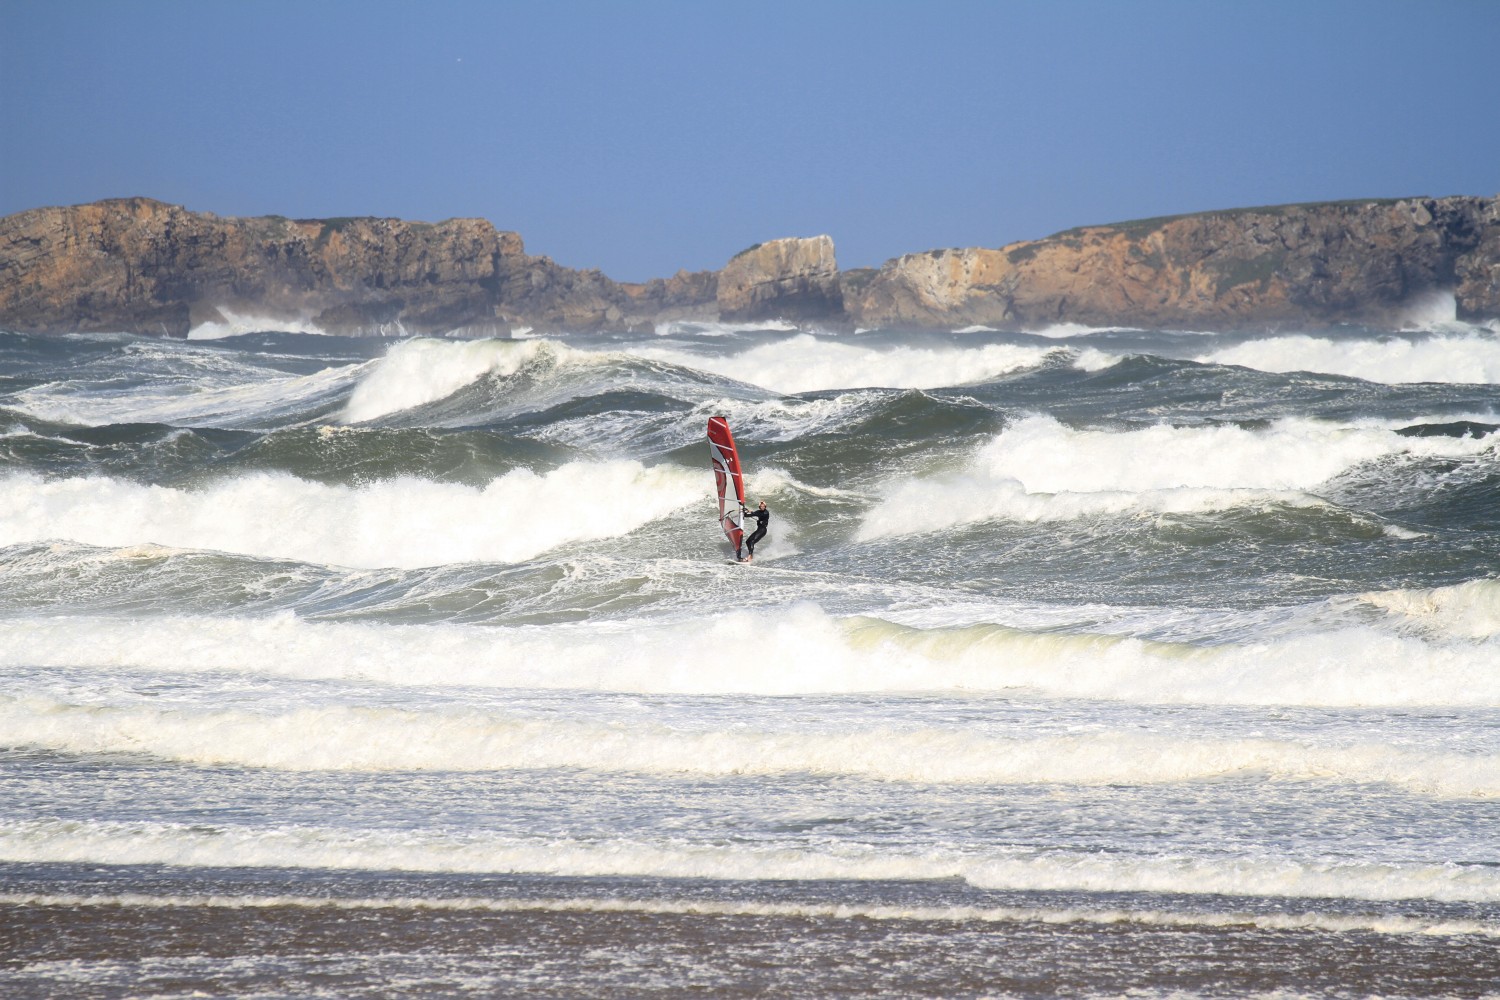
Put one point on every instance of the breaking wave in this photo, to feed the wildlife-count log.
(803, 650)
(1468, 609)
(235, 324)
(403, 522)
(420, 371)
(370, 738)
(1041, 470)
(55, 841)
(806, 363)
(1305, 921)
(1468, 357)
(243, 398)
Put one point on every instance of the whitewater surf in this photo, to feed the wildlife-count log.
(1106, 660)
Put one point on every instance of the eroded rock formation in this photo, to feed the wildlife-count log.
(783, 278)
(1307, 266)
(138, 265)
(684, 296)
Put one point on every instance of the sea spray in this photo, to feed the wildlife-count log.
(805, 363)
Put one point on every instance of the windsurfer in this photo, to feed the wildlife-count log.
(762, 518)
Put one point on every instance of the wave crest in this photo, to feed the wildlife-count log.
(801, 650)
(1471, 609)
(48, 840)
(1471, 357)
(806, 363)
(379, 739)
(404, 522)
(425, 370)
(1041, 470)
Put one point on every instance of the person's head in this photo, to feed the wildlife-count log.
(762, 505)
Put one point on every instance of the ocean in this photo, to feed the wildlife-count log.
(1077, 663)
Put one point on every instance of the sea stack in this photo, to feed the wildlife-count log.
(796, 279)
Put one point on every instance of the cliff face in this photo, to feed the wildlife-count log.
(137, 265)
(796, 277)
(684, 296)
(140, 265)
(1301, 265)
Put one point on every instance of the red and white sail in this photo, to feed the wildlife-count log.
(728, 480)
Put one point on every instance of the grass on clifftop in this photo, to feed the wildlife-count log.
(749, 249)
(1136, 228)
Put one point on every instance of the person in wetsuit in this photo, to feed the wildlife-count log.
(762, 518)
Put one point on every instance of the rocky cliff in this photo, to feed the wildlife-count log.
(684, 296)
(789, 277)
(138, 265)
(1304, 266)
(143, 266)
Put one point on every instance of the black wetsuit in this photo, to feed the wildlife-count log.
(762, 518)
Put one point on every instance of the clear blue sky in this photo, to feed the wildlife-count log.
(643, 138)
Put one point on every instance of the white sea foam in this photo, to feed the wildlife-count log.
(1434, 311)
(1307, 920)
(234, 324)
(425, 370)
(241, 398)
(805, 363)
(713, 328)
(800, 650)
(367, 738)
(1039, 470)
(923, 505)
(1462, 357)
(1025, 869)
(1437, 312)
(1091, 359)
(1065, 331)
(1469, 609)
(405, 522)
(1241, 876)
(782, 419)
(763, 420)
